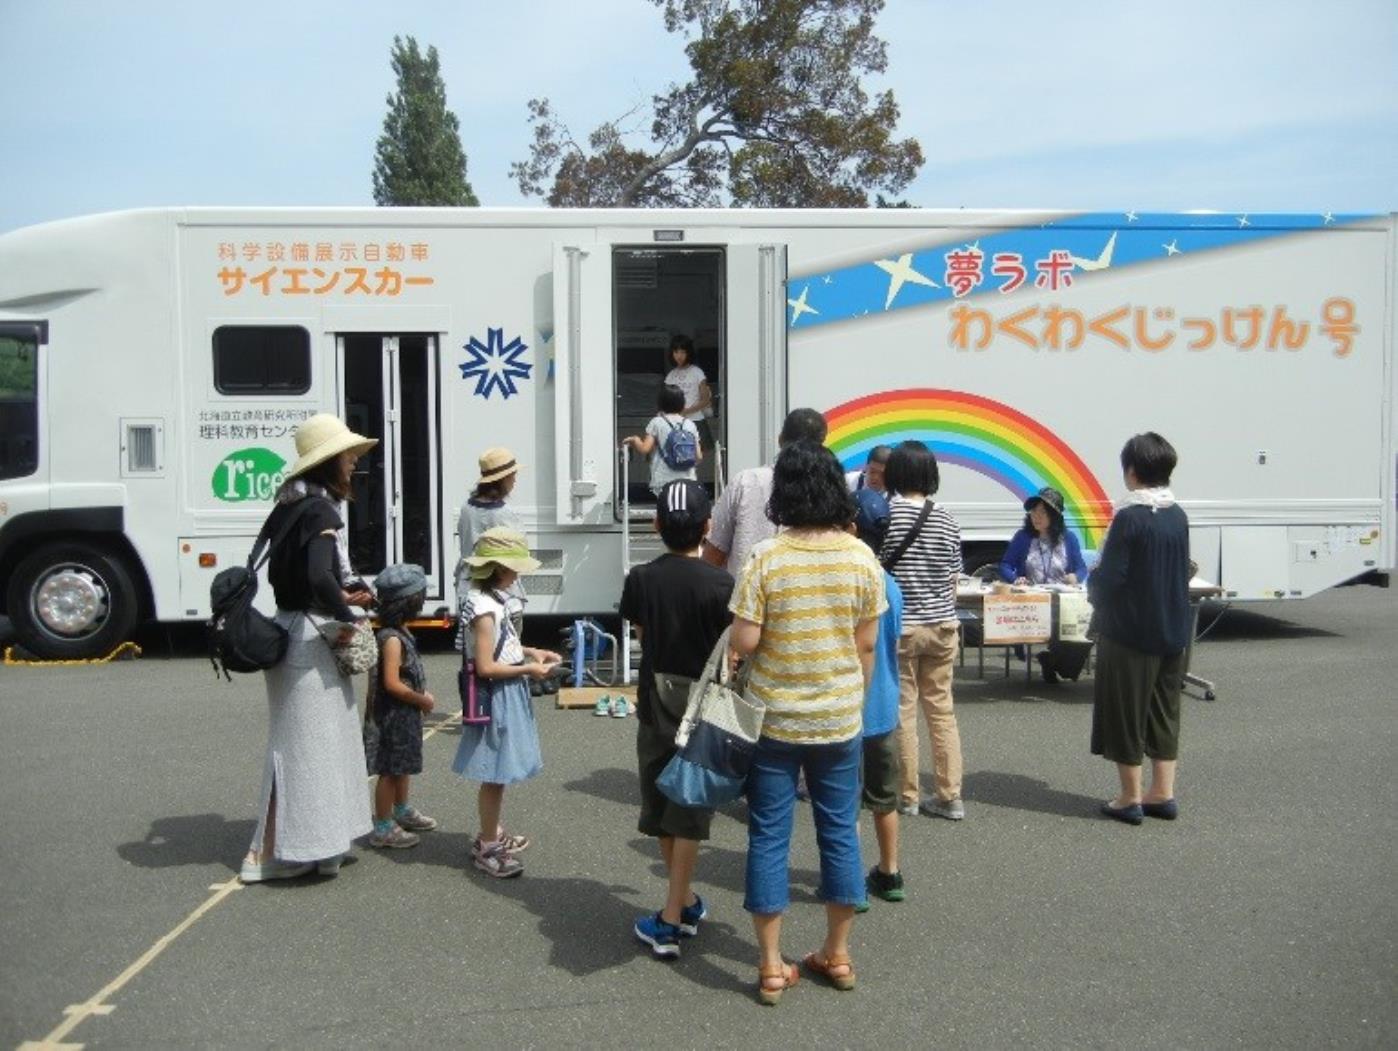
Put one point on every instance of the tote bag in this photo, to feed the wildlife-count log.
(716, 739)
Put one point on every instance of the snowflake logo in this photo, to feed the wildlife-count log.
(495, 364)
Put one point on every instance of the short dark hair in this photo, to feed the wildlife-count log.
(803, 425)
(671, 398)
(880, 454)
(1150, 457)
(808, 488)
(683, 535)
(679, 341)
(326, 474)
(912, 469)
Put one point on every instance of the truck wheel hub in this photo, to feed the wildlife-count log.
(70, 601)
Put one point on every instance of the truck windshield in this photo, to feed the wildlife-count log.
(19, 405)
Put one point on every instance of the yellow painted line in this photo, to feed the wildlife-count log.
(97, 1004)
(75, 1014)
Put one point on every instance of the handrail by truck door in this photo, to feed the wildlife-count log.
(583, 382)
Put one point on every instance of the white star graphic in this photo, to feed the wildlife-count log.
(1243, 221)
(1329, 218)
(974, 246)
(899, 273)
(827, 280)
(1131, 217)
(799, 306)
(1103, 261)
(1172, 248)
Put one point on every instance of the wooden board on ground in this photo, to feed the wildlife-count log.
(586, 696)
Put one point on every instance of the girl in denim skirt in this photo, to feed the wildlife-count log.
(505, 750)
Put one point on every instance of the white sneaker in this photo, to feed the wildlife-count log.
(395, 838)
(494, 860)
(908, 809)
(271, 868)
(414, 820)
(329, 866)
(951, 809)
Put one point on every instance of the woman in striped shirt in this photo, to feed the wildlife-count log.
(806, 610)
(926, 569)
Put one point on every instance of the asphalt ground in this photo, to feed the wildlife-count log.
(1263, 917)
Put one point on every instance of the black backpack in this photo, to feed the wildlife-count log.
(241, 638)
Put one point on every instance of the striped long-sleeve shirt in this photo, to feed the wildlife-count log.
(928, 570)
(809, 594)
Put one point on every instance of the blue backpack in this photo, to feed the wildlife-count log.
(680, 449)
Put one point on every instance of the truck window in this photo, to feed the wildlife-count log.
(19, 406)
(262, 359)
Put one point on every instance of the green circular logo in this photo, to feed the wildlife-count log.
(248, 474)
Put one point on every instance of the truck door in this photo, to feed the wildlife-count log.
(388, 391)
(756, 399)
(584, 383)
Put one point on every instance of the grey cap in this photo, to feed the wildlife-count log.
(399, 581)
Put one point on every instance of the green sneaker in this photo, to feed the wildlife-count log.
(862, 907)
(603, 707)
(621, 707)
(888, 886)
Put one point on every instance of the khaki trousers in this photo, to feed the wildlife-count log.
(926, 654)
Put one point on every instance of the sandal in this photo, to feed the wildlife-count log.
(767, 974)
(827, 966)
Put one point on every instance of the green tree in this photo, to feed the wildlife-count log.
(773, 115)
(419, 160)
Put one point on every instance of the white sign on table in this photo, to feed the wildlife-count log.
(1018, 618)
(1074, 616)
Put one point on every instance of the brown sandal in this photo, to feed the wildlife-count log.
(784, 972)
(826, 967)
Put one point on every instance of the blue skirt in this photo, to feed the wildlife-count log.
(505, 750)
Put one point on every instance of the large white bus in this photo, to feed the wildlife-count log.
(154, 366)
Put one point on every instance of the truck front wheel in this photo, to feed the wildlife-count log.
(71, 601)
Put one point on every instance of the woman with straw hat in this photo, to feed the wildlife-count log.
(504, 750)
(313, 803)
(485, 509)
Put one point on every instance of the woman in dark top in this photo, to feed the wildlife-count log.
(313, 801)
(1140, 598)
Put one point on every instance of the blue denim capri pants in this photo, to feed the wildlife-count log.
(832, 779)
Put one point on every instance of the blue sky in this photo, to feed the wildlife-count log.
(1248, 106)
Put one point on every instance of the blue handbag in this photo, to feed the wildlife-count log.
(716, 738)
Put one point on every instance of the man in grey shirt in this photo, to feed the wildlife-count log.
(740, 517)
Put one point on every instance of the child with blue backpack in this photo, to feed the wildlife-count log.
(671, 441)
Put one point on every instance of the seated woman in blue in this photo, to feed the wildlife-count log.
(1044, 551)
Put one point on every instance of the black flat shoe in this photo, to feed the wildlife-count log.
(1050, 676)
(1131, 815)
(1168, 810)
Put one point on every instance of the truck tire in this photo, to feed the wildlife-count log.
(71, 601)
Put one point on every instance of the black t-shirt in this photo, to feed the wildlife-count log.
(681, 606)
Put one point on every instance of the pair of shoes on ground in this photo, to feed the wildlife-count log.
(1136, 813)
(664, 938)
(617, 707)
(495, 857)
(401, 830)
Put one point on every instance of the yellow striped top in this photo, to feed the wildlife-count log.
(809, 593)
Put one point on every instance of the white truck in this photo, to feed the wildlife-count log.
(154, 365)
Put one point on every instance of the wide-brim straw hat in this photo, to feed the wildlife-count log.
(323, 436)
(501, 547)
(497, 462)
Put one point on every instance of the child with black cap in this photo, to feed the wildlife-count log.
(398, 698)
(678, 604)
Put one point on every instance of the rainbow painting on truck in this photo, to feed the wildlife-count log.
(980, 434)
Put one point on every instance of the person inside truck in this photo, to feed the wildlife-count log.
(690, 378)
(1046, 552)
(670, 459)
